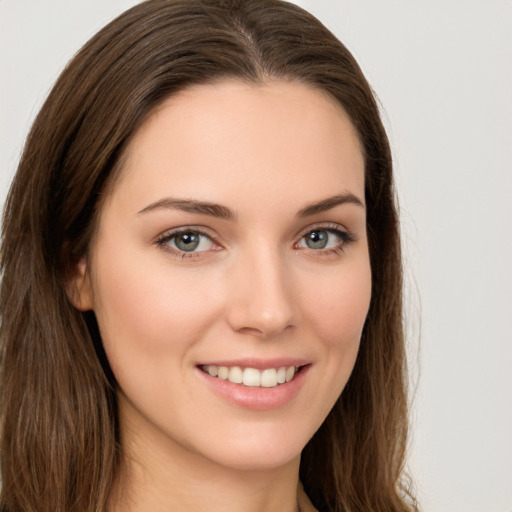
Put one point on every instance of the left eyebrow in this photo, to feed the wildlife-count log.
(327, 204)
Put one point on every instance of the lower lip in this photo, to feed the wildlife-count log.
(257, 398)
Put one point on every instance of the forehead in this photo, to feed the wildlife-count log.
(232, 136)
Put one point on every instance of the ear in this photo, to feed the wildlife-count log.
(78, 286)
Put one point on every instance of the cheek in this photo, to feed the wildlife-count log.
(143, 312)
(339, 307)
(336, 314)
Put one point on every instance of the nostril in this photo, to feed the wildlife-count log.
(250, 331)
(265, 331)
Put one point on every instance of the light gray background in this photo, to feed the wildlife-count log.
(443, 72)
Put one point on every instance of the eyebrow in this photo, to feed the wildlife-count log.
(329, 203)
(222, 212)
(191, 206)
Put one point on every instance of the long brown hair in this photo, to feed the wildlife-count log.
(59, 433)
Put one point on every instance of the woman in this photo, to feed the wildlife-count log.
(201, 295)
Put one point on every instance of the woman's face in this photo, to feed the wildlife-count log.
(233, 244)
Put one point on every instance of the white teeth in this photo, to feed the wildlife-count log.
(268, 378)
(290, 372)
(235, 375)
(252, 377)
(223, 372)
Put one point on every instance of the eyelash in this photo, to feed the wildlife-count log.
(164, 240)
(345, 236)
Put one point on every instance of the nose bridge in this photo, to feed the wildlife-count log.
(262, 301)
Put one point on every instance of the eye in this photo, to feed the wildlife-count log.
(325, 239)
(187, 241)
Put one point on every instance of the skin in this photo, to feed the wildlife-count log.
(253, 288)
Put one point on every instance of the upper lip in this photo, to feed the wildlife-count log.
(257, 363)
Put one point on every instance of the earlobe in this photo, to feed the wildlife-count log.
(79, 288)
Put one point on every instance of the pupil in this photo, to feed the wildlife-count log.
(317, 240)
(187, 242)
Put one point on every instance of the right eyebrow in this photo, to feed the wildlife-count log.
(191, 206)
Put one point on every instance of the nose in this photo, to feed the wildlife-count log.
(261, 302)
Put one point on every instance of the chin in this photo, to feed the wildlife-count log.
(253, 452)
(252, 461)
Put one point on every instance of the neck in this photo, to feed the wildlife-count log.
(169, 477)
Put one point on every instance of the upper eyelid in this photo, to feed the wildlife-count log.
(328, 226)
(202, 230)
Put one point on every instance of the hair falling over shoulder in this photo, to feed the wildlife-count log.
(59, 445)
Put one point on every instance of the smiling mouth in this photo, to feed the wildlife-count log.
(252, 377)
